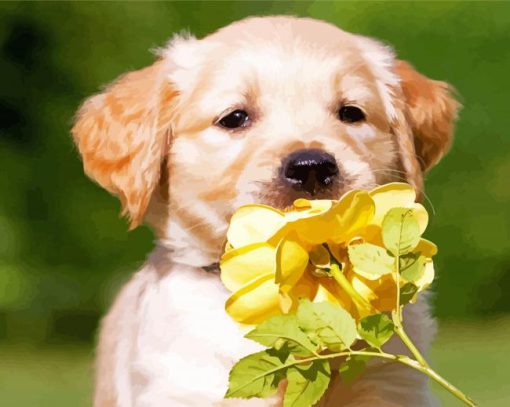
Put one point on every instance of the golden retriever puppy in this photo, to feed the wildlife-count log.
(267, 109)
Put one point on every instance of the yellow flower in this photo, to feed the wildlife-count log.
(274, 258)
(254, 224)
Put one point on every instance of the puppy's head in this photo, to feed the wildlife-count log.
(265, 110)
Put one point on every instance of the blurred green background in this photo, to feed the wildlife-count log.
(64, 251)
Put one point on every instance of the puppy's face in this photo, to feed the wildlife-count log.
(266, 110)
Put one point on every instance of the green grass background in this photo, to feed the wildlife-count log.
(64, 251)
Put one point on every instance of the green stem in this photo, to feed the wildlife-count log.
(360, 302)
(397, 315)
(405, 360)
(398, 320)
(410, 363)
(432, 374)
(399, 330)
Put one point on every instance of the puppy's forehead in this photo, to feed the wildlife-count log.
(268, 69)
(277, 55)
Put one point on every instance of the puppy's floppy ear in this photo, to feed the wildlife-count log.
(430, 110)
(123, 136)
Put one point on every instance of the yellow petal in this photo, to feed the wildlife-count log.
(353, 212)
(302, 203)
(305, 287)
(291, 261)
(364, 287)
(381, 293)
(240, 266)
(392, 195)
(315, 230)
(421, 215)
(254, 224)
(386, 292)
(370, 234)
(286, 302)
(255, 302)
(330, 291)
(342, 219)
(319, 256)
(427, 277)
(426, 248)
(425, 280)
(305, 208)
(323, 294)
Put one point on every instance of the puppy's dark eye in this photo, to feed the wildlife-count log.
(234, 120)
(351, 114)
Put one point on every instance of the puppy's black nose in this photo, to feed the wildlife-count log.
(310, 170)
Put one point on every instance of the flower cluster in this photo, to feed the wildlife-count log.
(325, 250)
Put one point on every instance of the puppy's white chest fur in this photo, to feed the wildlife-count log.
(185, 344)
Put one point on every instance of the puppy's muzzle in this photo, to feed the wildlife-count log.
(309, 170)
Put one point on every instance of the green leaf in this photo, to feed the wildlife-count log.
(407, 293)
(352, 368)
(370, 261)
(412, 266)
(400, 231)
(407, 260)
(333, 326)
(270, 333)
(376, 329)
(257, 375)
(306, 385)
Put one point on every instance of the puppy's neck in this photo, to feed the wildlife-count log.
(195, 244)
(187, 248)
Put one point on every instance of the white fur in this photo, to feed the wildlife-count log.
(184, 344)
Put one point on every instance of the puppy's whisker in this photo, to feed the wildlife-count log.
(177, 209)
(401, 175)
(389, 170)
(433, 210)
(197, 225)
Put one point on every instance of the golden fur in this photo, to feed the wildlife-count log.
(151, 139)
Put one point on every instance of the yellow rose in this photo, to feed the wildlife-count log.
(274, 258)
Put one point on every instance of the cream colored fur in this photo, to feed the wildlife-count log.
(151, 139)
